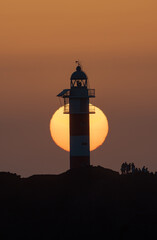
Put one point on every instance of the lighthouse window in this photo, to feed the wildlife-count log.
(79, 84)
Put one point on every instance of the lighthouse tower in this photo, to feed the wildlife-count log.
(76, 104)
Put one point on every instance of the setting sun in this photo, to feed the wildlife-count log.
(59, 128)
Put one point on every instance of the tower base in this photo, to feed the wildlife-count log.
(79, 161)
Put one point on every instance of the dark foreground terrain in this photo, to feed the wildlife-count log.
(89, 203)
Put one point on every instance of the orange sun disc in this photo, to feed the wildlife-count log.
(60, 133)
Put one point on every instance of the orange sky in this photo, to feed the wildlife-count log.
(50, 26)
(116, 41)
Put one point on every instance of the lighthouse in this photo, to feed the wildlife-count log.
(76, 104)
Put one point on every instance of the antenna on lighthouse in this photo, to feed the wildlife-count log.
(78, 62)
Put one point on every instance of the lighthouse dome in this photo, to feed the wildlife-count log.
(78, 74)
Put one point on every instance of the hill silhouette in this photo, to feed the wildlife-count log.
(87, 203)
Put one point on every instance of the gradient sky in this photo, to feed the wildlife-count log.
(115, 41)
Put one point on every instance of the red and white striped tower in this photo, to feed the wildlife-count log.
(76, 104)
